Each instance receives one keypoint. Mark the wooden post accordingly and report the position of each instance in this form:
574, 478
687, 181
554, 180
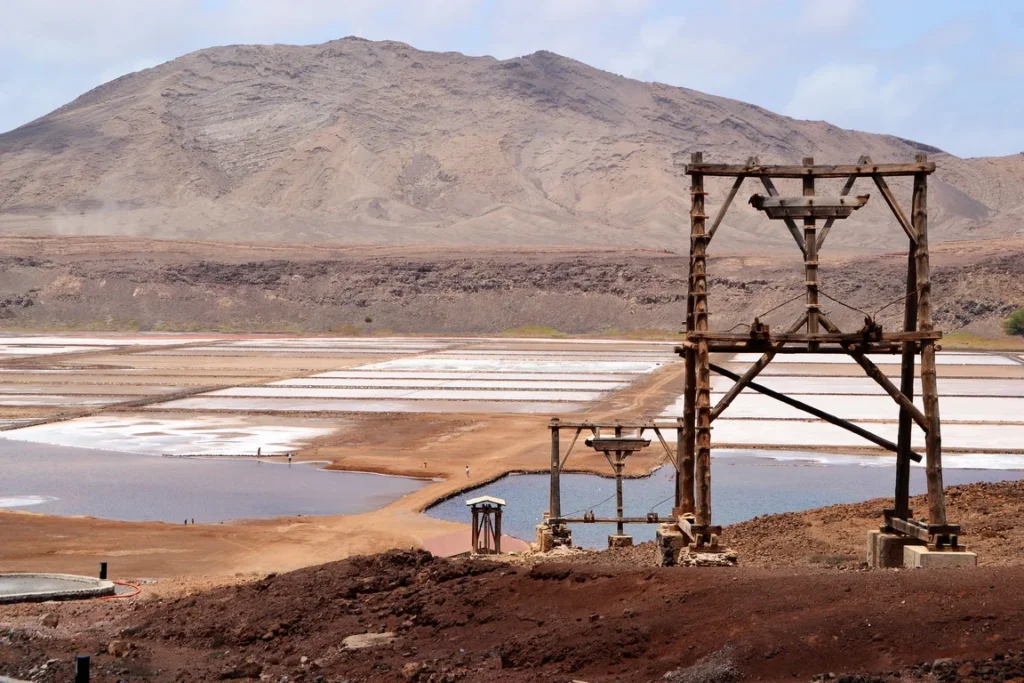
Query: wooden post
689, 403
497, 530
684, 470
619, 511
811, 262
929, 386
555, 497
903, 441
702, 370
475, 536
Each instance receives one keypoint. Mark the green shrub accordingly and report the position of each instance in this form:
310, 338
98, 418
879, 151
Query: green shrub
1015, 323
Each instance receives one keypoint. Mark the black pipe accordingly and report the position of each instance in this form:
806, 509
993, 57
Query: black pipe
103, 571
800, 405
82, 669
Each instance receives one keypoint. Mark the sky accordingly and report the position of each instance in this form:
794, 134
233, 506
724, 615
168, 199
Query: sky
949, 73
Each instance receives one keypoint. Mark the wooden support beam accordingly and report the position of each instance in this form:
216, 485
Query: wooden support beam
929, 387
903, 440
845, 191
793, 230
702, 374
811, 260
555, 489
786, 171
640, 424
808, 207
728, 201
816, 412
894, 206
726, 347
822, 337
752, 373
922, 531
614, 520
876, 374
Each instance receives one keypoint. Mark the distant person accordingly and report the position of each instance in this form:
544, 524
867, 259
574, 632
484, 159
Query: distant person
186, 521
424, 464
467, 471
289, 458
259, 451
193, 521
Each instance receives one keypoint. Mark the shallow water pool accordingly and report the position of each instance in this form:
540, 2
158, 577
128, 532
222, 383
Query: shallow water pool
58, 480
744, 485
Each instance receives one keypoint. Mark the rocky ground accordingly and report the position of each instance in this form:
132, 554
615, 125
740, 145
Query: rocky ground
798, 608
98, 283
406, 616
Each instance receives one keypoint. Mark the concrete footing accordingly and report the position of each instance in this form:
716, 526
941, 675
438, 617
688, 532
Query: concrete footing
548, 537
670, 541
885, 551
889, 551
615, 541
920, 557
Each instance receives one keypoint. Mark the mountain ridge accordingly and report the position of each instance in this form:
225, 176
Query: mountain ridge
356, 141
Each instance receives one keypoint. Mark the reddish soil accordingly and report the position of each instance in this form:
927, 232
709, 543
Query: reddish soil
486, 621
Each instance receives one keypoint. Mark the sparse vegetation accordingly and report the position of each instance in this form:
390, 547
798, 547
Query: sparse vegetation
1015, 323
368, 319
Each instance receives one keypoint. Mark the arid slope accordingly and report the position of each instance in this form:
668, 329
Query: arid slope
366, 142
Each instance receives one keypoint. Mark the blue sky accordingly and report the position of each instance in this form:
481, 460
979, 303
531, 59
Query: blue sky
946, 72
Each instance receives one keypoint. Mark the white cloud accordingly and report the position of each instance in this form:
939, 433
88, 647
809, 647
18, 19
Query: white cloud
830, 15
858, 96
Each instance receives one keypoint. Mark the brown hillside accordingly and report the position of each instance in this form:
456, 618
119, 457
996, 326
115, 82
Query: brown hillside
376, 142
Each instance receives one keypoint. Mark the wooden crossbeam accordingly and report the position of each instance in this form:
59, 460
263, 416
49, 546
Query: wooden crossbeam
894, 206
816, 206
816, 412
558, 424
725, 206
773, 202
823, 337
612, 520
790, 223
794, 171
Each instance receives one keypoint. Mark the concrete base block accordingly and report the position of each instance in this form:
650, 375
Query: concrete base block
670, 541
720, 557
545, 539
920, 557
885, 551
619, 541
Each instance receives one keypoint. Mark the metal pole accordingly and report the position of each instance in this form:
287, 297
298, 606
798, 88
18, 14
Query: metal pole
103, 571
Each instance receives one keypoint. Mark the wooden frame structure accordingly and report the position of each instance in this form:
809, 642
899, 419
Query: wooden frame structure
627, 439
813, 332
485, 538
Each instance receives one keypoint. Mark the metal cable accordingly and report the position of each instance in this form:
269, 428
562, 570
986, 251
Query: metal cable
852, 308
896, 301
771, 310
589, 507
662, 502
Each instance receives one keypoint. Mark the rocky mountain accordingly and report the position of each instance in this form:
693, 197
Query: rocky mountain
358, 142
